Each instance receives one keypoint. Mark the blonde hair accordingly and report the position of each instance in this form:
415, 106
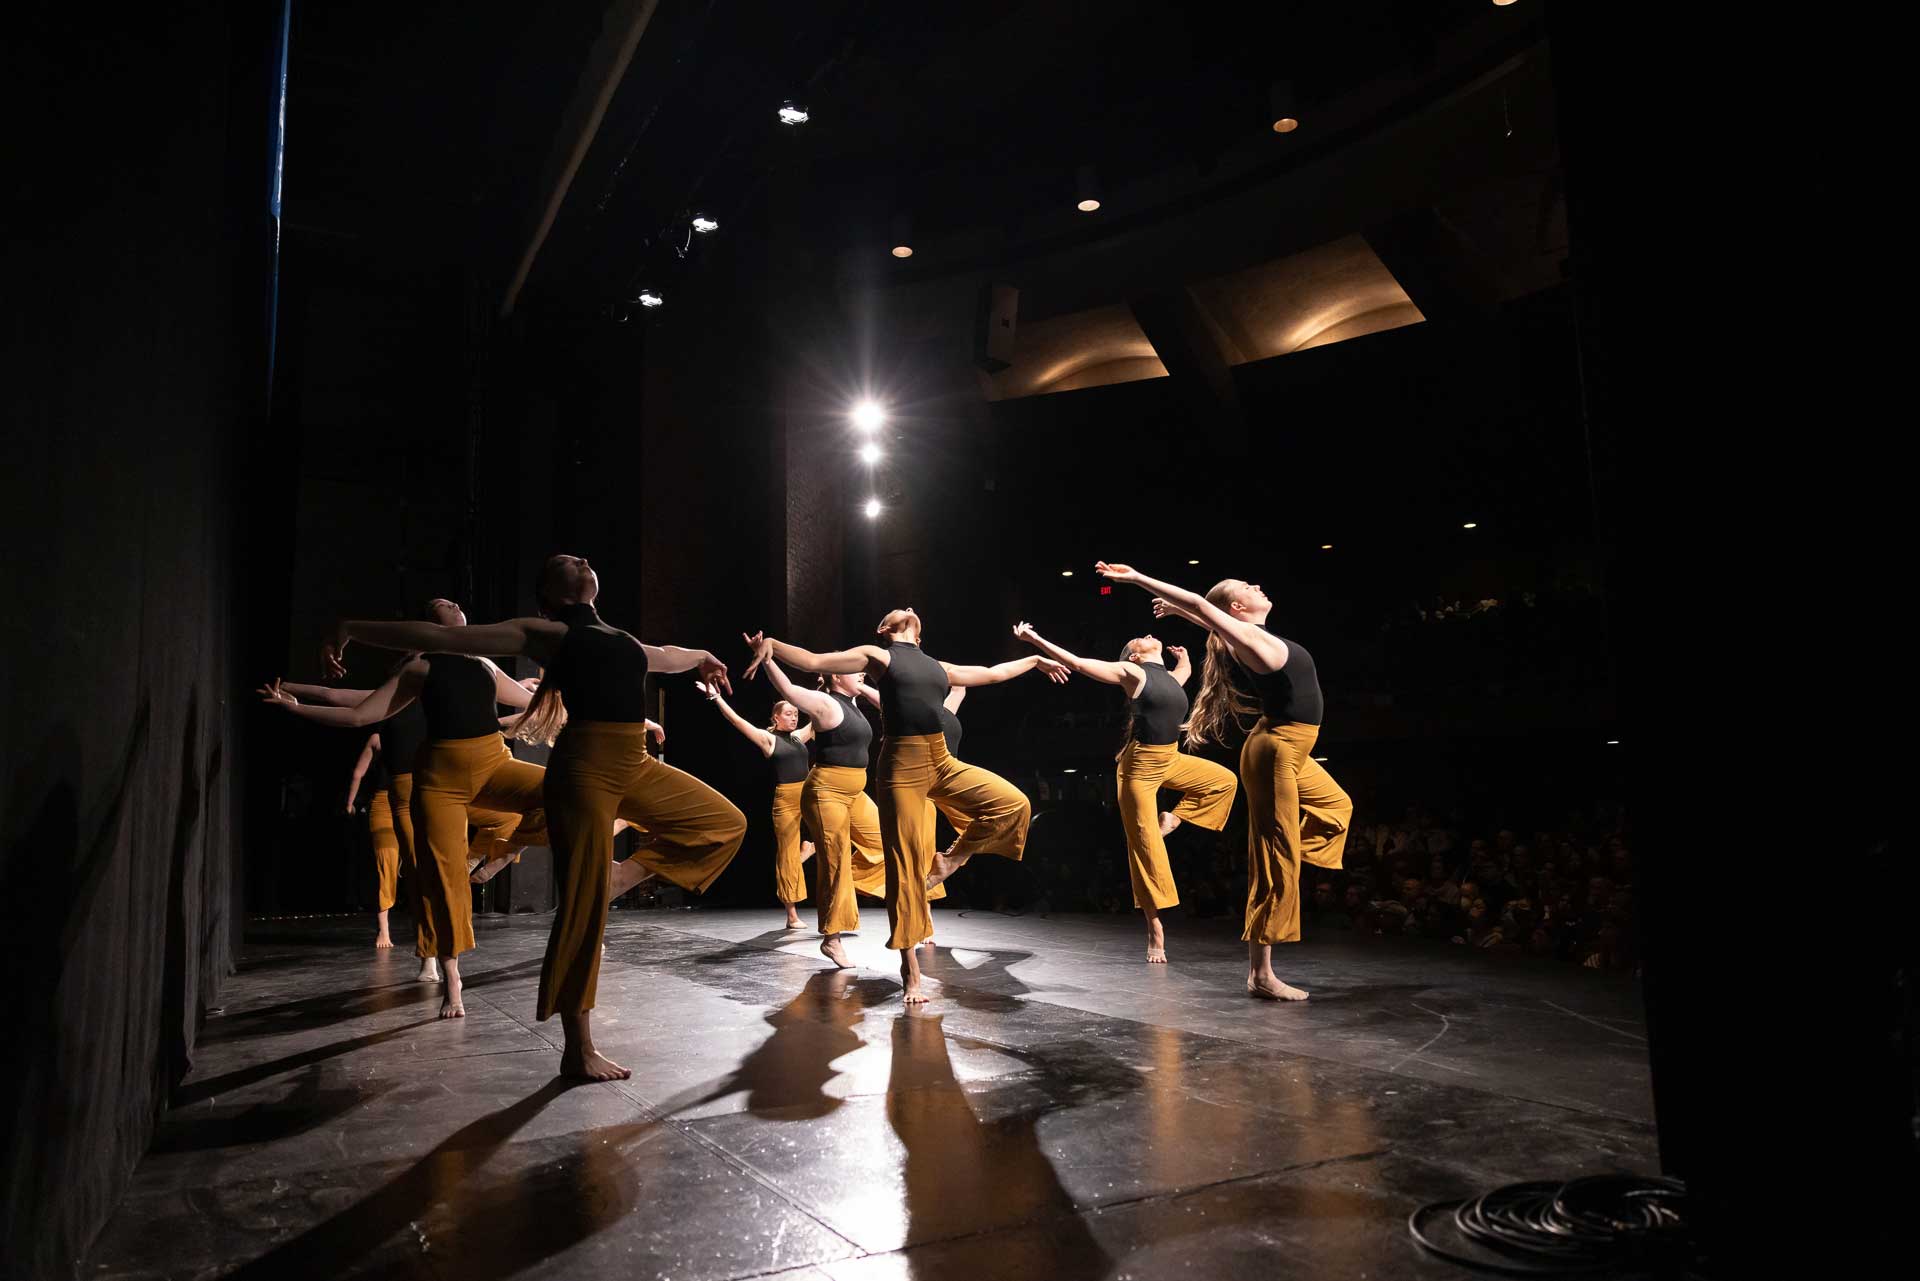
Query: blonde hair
545, 715
774, 714
1220, 709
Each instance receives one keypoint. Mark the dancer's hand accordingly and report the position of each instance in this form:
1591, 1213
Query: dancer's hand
715, 673
806, 850
658, 734
1164, 608
762, 646
529, 683
1179, 653
1056, 672
1025, 632
707, 691
1117, 573
333, 651
272, 693
349, 802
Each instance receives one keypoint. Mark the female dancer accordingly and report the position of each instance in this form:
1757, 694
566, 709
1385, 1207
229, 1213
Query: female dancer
784, 743
1150, 761
600, 769
915, 769
464, 773
386, 843
1295, 810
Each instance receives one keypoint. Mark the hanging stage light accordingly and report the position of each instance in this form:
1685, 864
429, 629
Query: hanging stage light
1281, 108
648, 298
1086, 187
792, 113
704, 224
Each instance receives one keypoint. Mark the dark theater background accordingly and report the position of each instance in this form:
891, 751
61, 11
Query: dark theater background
323, 310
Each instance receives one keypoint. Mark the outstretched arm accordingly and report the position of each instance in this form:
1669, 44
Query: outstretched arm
665, 660
1182, 668
963, 674
325, 694
537, 638
861, 658
1126, 675
823, 711
1255, 646
760, 738
399, 689
360, 768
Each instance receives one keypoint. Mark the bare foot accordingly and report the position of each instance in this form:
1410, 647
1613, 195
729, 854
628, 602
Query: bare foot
945, 865
915, 993
1156, 943
793, 917
450, 1006
489, 869
1269, 988
383, 938
834, 950
429, 971
579, 1059
627, 875
1168, 821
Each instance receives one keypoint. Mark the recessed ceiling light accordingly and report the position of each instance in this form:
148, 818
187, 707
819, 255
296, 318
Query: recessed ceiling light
704, 224
903, 251
792, 113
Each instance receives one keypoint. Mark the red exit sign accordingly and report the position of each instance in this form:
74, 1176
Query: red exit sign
1106, 589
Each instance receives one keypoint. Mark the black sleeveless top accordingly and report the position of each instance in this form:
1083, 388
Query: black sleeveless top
846, 744
789, 759
457, 698
377, 777
1161, 707
402, 735
911, 690
601, 670
950, 730
1293, 692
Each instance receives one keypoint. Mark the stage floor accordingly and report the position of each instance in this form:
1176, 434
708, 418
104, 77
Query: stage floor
1060, 1111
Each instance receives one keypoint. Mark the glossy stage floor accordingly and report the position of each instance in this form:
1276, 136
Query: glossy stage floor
1062, 1110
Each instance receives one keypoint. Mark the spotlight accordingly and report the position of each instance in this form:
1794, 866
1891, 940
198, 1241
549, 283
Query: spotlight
1280, 107
1501, 4
1066, 573
792, 113
1472, 524
873, 509
869, 454
1613, 742
1193, 562
1069, 771
1326, 547
704, 224
868, 416
903, 251
648, 298
902, 235
1086, 184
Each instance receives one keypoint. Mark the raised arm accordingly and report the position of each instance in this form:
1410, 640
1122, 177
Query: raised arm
963, 674
1182, 668
871, 659
1126, 675
326, 694
1253, 645
398, 690
538, 638
360, 767
760, 738
820, 709
956, 695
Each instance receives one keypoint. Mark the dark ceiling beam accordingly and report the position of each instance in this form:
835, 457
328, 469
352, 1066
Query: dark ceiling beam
1192, 349
620, 31
1443, 275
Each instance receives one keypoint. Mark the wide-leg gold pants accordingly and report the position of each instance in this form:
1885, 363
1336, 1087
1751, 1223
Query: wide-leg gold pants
1206, 796
456, 780
601, 771
400, 799
789, 876
1295, 811
916, 774
386, 848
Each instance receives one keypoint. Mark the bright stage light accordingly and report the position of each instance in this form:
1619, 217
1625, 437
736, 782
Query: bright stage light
873, 509
1326, 547
1066, 573
903, 251
868, 416
792, 113
869, 454
648, 298
1088, 205
1472, 524
1193, 562
704, 224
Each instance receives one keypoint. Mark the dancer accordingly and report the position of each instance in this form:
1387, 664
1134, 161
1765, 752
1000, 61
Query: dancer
600, 769
784, 743
1150, 761
1295, 810
915, 769
464, 773
386, 843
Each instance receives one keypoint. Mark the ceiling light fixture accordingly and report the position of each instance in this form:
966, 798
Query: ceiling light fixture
1086, 188
704, 224
648, 298
1282, 111
873, 509
792, 113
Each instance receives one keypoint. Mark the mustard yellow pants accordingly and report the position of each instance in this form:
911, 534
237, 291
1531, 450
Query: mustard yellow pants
789, 876
386, 848
457, 780
1206, 796
1295, 811
400, 800
601, 771
916, 774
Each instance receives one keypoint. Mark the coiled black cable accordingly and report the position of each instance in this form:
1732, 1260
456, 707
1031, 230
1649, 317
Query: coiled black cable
1593, 1224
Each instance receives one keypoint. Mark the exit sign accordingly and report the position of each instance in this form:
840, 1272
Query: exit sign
1106, 589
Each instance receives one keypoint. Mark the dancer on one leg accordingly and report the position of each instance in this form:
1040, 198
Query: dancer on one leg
784, 743
915, 768
600, 770
1152, 761
1295, 810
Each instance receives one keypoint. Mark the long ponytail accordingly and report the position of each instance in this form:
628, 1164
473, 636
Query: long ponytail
1221, 710
545, 715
